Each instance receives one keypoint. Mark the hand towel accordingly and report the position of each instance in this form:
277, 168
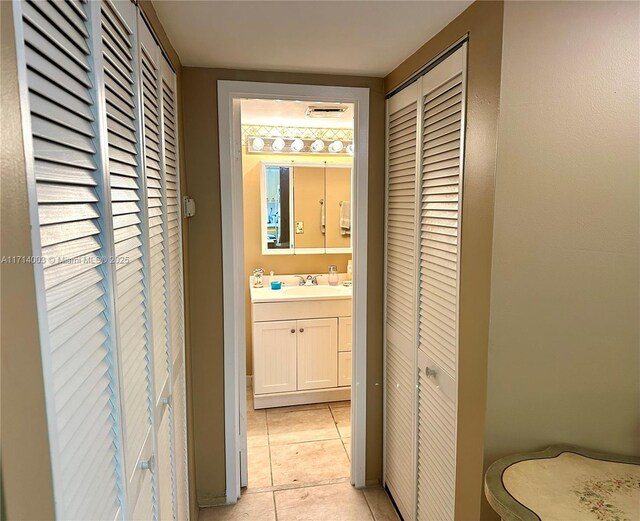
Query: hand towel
345, 217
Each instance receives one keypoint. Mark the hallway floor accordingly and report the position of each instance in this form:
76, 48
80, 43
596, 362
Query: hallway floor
299, 469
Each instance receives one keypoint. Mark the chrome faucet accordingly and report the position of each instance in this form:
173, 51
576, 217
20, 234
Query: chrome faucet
310, 280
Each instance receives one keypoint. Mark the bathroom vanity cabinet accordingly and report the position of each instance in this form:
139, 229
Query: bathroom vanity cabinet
301, 351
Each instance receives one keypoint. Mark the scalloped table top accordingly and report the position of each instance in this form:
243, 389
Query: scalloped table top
565, 483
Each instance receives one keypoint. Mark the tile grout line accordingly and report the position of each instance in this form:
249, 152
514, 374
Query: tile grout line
266, 421
275, 506
340, 434
373, 516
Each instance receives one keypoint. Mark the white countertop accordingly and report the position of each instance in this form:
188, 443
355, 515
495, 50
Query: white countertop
291, 291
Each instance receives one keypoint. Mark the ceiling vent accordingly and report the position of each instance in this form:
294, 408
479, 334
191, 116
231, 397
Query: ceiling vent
325, 111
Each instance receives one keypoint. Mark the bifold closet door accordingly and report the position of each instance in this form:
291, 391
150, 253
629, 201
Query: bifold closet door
175, 292
400, 314
71, 221
100, 129
425, 141
442, 121
122, 129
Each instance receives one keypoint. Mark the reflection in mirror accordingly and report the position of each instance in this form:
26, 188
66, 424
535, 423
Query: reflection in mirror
306, 208
338, 208
278, 208
308, 201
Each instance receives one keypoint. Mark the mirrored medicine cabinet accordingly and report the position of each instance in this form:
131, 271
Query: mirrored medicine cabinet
306, 208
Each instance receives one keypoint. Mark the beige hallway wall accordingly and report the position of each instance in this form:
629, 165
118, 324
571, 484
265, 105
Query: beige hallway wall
564, 360
205, 261
279, 264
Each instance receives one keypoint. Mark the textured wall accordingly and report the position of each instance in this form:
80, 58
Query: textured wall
564, 360
26, 471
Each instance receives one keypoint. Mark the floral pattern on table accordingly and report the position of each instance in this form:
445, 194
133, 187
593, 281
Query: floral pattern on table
598, 496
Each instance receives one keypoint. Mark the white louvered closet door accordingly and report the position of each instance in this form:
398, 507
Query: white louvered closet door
442, 120
71, 232
101, 143
176, 293
119, 57
400, 270
151, 70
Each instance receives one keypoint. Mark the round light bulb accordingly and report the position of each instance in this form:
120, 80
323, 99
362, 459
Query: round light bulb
278, 144
297, 145
317, 145
350, 149
257, 143
336, 146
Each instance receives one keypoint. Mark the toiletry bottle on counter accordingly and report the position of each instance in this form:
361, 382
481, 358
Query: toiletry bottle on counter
349, 270
333, 275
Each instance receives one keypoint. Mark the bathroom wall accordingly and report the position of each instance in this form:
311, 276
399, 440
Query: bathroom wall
279, 264
205, 261
564, 364
482, 21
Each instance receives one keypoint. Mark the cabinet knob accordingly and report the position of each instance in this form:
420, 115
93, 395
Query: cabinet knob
293, 330
301, 330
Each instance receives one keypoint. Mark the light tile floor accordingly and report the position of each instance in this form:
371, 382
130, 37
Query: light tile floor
299, 469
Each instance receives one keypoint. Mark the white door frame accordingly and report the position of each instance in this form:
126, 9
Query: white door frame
229, 93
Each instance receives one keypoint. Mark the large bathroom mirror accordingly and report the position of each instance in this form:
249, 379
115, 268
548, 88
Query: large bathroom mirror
277, 209
306, 208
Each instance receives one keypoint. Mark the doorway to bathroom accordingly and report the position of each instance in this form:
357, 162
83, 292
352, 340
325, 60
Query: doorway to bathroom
294, 213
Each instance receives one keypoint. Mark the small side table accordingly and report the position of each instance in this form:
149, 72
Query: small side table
565, 483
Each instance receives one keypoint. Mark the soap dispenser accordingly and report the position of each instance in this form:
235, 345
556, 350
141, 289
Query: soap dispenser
333, 275
257, 275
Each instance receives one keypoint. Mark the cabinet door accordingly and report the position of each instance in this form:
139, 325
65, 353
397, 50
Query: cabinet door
274, 356
317, 353
345, 333
344, 369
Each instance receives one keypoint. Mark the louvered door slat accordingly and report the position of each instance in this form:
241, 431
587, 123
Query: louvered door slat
173, 212
117, 28
439, 229
83, 419
400, 235
440, 195
156, 222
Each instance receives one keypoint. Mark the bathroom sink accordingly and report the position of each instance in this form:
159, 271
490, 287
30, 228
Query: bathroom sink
292, 292
316, 290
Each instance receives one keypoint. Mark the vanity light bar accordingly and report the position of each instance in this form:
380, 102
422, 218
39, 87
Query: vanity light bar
286, 145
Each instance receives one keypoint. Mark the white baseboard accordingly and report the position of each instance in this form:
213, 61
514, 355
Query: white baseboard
336, 394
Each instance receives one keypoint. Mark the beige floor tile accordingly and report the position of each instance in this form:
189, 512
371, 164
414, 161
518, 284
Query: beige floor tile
300, 426
339, 502
257, 430
309, 462
380, 504
294, 408
347, 446
259, 467
342, 417
337, 405
253, 507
